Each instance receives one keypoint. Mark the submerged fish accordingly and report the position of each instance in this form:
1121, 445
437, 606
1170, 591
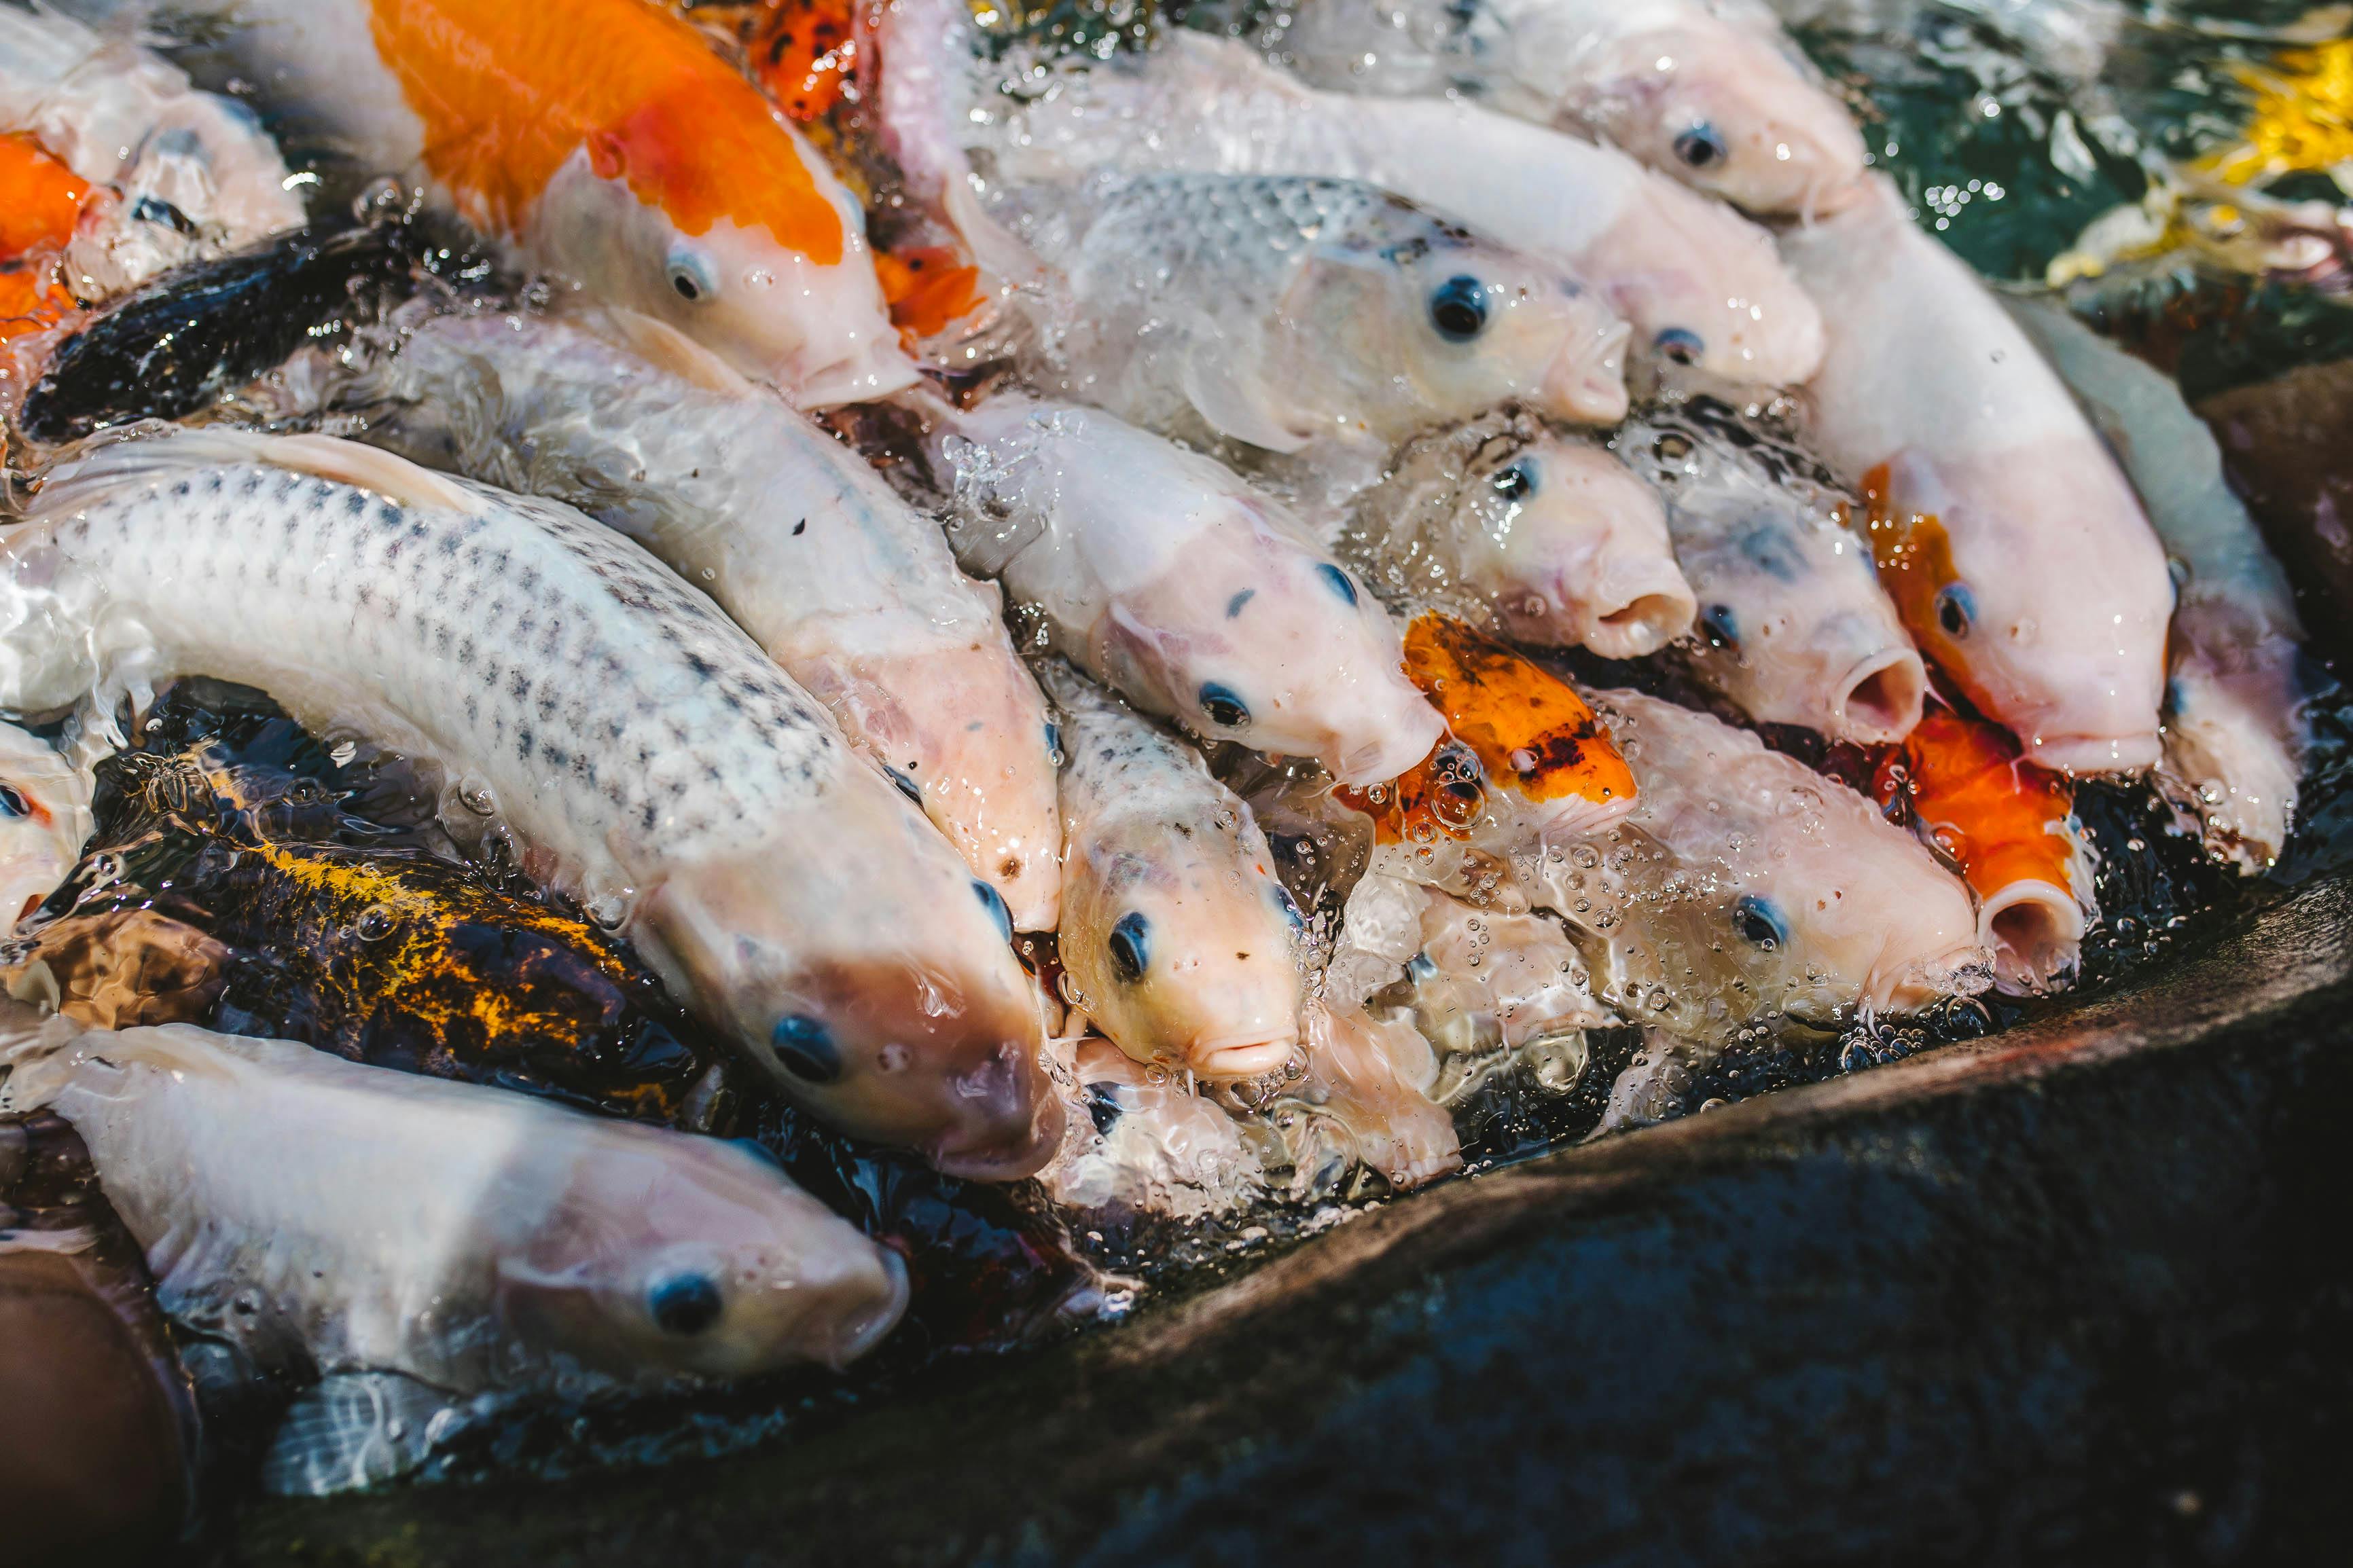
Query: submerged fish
1141, 1140
2017, 553
314, 1211
1162, 575
1274, 310
606, 141
1540, 537
795, 537
2011, 828
44, 822
2235, 732
1709, 91
1699, 283
649, 757
1362, 1100
161, 173
1794, 626
1177, 939
1744, 886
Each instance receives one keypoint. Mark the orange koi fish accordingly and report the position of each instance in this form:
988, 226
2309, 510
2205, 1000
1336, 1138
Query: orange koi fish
2010, 826
40, 201
606, 142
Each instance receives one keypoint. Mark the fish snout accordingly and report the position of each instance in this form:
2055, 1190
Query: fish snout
2081, 754
872, 370
1244, 1055
1634, 604
1586, 383
848, 1310
2035, 932
1385, 746
1879, 701
1004, 1120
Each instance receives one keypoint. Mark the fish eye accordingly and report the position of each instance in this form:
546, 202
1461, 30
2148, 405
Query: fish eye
1723, 624
1957, 609
994, 902
906, 785
684, 1304
1517, 483
1458, 309
691, 277
13, 803
1130, 947
1759, 922
1223, 706
1103, 1107
1337, 581
1054, 741
1680, 345
1701, 147
805, 1047
1290, 908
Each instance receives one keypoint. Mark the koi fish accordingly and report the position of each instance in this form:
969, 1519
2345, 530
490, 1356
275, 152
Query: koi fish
465, 1236
2010, 826
44, 822
645, 753
1176, 937
1708, 91
606, 142
1141, 1141
799, 540
2015, 551
1508, 525
1794, 626
1361, 1100
1162, 575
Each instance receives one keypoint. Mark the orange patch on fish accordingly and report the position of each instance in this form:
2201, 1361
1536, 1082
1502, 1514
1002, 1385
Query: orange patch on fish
1914, 558
40, 198
803, 52
509, 92
927, 288
30, 300
2001, 818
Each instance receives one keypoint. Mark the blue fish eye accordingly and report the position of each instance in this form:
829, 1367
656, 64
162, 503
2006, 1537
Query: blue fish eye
684, 1304
1519, 482
1680, 345
1103, 1107
13, 803
1723, 624
691, 277
1054, 740
1224, 706
1337, 581
1957, 609
805, 1047
1458, 309
1290, 908
1130, 947
1759, 922
1701, 147
907, 787
994, 902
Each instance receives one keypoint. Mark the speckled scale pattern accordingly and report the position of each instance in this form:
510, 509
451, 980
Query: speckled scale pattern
1121, 763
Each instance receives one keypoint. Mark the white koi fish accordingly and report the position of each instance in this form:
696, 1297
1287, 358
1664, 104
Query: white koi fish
44, 822
1141, 1140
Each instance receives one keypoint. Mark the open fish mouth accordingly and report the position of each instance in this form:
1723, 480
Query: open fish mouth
1640, 606
856, 1336
1879, 701
1240, 1056
2036, 931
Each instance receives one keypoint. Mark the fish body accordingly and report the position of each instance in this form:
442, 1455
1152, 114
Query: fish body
44, 821
802, 543
1744, 886
1708, 91
606, 141
1697, 282
168, 174
2010, 826
1141, 1140
1364, 1100
646, 753
310, 1208
1275, 309
1504, 523
1476, 979
1177, 937
2017, 553
1794, 626
2236, 731
1164, 576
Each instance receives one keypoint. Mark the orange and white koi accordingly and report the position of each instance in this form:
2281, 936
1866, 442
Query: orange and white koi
44, 822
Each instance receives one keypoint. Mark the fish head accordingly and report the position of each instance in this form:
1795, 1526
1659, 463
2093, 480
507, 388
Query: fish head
1181, 946
1720, 107
1252, 634
740, 240
44, 821
692, 1257
883, 994
1448, 324
1570, 548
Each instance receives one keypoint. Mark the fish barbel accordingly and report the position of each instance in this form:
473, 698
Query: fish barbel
1699, 283
799, 540
1745, 886
1507, 523
660, 765
1794, 626
1164, 576
2235, 725
604, 141
44, 822
1176, 935
1276, 308
1709, 91
362, 1219
2017, 553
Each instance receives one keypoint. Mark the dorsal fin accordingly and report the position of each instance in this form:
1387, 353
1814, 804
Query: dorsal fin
104, 469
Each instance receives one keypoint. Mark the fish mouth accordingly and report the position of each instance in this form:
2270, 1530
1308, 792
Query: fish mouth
872, 372
1240, 1056
863, 1332
1006, 1156
1379, 761
2078, 756
1587, 384
1880, 698
2036, 931
1642, 606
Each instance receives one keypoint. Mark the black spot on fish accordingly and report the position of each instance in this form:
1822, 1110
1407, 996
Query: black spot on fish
1130, 946
800, 528
805, 1045
1337, 581
684, 1304
1234, 605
